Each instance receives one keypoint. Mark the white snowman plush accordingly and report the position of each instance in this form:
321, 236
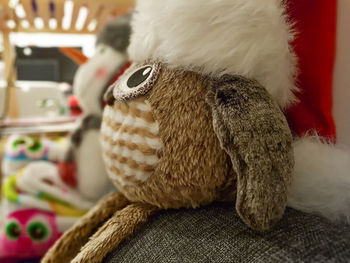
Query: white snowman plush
90, 83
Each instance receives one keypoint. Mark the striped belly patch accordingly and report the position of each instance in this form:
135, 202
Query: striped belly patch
130, 141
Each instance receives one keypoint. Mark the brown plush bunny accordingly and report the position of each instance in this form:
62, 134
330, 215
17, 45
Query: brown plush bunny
177, 133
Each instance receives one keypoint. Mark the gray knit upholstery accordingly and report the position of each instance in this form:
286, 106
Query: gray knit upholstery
216, 234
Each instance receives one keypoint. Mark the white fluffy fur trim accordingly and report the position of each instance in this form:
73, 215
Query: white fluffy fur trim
321, 180
245, 37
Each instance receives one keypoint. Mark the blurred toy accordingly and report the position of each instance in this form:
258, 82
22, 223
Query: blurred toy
39, 186
36, 208
21, 150
90, 83
28, 233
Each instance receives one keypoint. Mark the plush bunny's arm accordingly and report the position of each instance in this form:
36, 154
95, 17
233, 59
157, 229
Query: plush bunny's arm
71, 241
119, 227
254, 132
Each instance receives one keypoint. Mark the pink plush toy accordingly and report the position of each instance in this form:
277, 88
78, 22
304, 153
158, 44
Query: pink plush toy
28, 234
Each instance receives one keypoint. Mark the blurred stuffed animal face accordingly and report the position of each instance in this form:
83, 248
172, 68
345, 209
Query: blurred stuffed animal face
21, 150
158, 142
93, 76
27, 148
28, 233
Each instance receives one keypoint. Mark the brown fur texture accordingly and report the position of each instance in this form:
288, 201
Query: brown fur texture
193, 169
128, 129
120, 226
71, 241
255, 133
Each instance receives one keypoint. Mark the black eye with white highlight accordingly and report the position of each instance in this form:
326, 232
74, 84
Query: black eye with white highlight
135, 82
139, 77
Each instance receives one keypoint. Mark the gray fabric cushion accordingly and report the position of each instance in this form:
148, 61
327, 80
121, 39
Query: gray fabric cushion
216, 234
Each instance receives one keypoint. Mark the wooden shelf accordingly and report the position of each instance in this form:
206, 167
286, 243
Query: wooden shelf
54, 11
55, 16
39, 129
38, 126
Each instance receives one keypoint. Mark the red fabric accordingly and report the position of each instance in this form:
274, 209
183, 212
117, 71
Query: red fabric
67, 172
315, 48
120, 72
74, 107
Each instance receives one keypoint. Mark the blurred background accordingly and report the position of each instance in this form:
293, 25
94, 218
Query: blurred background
35, 76
42, 45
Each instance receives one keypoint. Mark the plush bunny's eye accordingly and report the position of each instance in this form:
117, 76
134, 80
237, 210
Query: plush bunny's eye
135, 82
140, 76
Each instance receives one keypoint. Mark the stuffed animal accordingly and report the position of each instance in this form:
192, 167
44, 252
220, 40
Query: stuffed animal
21, 150
35, 199
197, 118
28, 233
39, 186
90, 83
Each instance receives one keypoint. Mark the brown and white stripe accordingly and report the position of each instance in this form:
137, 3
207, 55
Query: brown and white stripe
130, 141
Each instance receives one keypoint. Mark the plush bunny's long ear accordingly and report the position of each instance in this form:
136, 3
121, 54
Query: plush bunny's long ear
254, 132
